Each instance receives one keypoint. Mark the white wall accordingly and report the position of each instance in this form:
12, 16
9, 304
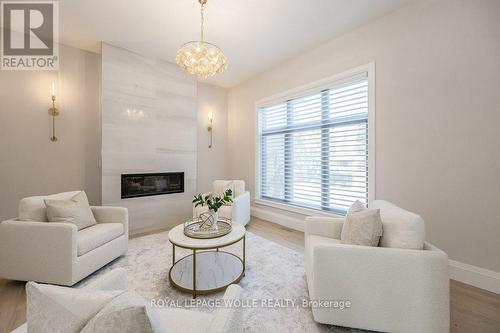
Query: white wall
30, 164
163, 138
437, 116
212, 162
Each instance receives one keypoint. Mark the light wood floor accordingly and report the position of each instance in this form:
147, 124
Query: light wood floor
472, 310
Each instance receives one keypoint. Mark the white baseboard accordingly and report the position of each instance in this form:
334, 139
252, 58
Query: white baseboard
469, 274
475, 276
266, 214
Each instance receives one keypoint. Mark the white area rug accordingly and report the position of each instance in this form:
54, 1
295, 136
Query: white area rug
272, 272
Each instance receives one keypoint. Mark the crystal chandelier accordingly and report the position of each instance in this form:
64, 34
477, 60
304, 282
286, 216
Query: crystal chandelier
199, 57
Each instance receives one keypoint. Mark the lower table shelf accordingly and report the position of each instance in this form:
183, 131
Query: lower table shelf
215, 270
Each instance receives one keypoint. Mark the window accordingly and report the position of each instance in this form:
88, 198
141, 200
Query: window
314, 147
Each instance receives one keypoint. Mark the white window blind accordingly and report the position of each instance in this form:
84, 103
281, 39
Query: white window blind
314, 148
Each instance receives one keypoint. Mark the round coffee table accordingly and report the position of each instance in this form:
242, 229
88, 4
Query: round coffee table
207, 269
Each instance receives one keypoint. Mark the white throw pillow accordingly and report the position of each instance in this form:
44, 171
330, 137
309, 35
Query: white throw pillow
58, 309
362, 228
33, 208
127, 313
356, 206
83, 200
75, 210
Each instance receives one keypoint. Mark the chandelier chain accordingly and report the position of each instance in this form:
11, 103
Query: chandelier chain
202, 21
199, 57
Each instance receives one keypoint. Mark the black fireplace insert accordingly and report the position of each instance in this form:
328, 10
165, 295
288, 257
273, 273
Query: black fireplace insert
146, 184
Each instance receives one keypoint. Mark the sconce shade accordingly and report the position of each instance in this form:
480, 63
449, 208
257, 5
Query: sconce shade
53, 89
210, 128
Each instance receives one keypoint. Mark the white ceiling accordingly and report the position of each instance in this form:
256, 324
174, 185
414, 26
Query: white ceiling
254, 34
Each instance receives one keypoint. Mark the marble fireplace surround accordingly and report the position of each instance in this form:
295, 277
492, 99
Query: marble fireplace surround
149, 124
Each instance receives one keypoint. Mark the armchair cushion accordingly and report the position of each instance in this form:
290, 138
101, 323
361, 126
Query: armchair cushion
402, 229
97, 235
75, 210
324, 226
238, 186
221, 186
33, 208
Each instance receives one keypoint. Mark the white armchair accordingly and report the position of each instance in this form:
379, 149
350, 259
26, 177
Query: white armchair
174, 320
58, 253
389, 289
239, 210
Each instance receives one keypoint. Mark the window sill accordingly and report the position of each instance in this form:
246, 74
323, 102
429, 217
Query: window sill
296, 209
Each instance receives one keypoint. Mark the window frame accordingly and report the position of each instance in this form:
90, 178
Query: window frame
310, 88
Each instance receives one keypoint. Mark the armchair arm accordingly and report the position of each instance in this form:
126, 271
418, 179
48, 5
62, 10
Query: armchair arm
380, 282
109, 214
240, 211
41, 251
229, 317
330, 227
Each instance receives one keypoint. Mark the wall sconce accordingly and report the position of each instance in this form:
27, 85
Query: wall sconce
53, 112
210, 128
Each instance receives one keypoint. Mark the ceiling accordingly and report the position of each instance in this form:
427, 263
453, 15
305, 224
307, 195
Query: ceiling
254, 34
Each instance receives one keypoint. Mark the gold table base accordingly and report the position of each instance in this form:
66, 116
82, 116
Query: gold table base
194, 291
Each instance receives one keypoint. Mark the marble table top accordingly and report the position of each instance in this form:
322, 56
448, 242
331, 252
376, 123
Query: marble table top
176, 236
213, 270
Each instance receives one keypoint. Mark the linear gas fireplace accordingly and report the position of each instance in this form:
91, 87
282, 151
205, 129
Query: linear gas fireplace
146, 184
